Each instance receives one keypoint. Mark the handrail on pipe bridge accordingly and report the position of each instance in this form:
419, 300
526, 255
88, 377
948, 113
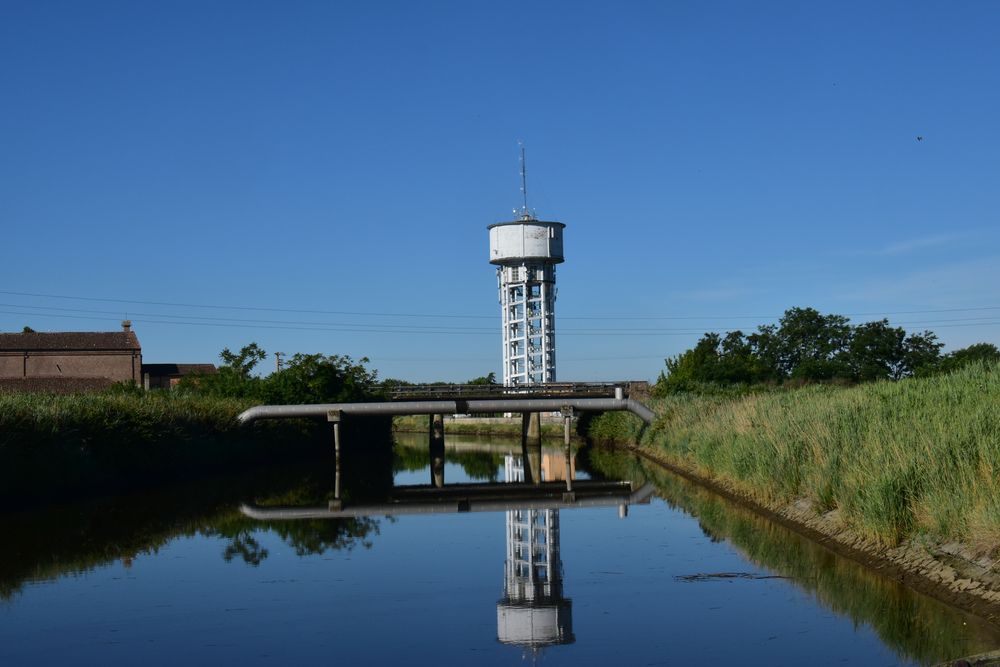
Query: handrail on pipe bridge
620, 389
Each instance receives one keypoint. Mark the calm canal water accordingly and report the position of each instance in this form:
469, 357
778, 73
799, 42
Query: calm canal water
682, 578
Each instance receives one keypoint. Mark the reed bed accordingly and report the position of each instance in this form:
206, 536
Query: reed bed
144, 414
419, 424
894, 459
54, 447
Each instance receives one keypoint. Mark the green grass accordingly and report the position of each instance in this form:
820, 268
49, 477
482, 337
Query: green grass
919, 456
419, 424
142, 414
54, 447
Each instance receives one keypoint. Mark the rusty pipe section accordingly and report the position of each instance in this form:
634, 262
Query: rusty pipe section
454, 407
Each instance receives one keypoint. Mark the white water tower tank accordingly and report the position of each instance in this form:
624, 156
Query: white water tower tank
526, 240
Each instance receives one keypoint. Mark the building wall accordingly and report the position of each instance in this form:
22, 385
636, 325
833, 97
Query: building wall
12, 365
163, 381
117, 366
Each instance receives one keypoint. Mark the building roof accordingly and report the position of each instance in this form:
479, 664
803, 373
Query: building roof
67, 341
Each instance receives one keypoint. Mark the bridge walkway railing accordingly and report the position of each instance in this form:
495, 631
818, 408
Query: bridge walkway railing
487, 391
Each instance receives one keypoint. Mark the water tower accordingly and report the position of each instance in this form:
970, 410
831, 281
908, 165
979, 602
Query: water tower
533, 612
526, 252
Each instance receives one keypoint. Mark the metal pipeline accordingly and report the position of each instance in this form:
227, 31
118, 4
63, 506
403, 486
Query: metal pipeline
449, 407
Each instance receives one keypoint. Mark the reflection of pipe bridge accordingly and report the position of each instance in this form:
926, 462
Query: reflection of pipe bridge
533, 612
486, 497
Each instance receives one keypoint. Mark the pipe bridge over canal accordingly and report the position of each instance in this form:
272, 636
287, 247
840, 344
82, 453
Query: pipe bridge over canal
565, 398
473, 399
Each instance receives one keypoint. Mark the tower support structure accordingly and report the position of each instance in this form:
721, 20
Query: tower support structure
526, 252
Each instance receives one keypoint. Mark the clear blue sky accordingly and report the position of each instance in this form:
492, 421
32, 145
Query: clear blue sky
714, 162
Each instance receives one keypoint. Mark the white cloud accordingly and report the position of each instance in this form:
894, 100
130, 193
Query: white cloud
972, 283
718, 294
911, 245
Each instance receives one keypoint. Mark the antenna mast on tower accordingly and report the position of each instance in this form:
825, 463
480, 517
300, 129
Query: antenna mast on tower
525, 252
525, 213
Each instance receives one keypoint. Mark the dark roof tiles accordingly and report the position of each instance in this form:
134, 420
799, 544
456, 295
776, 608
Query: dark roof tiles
69, 341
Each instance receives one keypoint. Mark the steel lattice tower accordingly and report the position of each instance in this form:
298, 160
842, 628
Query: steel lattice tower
526, 252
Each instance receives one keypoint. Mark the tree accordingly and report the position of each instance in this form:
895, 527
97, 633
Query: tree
807, 345
713, 360
812, 346
980, 352
234, 378
318, 378
765, 346
689, 368
877, 351
923, 353
243, 362
488, 379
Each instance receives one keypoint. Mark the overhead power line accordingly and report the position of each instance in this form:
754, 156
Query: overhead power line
418, 330
470, 316
405, 328
173, 304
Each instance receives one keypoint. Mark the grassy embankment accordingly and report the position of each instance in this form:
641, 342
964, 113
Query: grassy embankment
897, 460
56, 447
472, 426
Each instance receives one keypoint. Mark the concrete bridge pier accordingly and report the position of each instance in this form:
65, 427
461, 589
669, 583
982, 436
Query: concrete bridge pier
531, 427
567, 415
436, 449
531, 446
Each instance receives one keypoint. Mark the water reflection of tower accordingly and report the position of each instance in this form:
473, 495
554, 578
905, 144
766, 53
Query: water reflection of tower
533, 612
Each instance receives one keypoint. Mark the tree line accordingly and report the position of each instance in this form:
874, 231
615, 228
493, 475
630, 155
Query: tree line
808, 346
304, 378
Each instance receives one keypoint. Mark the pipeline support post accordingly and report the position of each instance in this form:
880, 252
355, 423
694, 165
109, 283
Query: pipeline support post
531, 428
436, 449
567, 415
531, 447
334, 416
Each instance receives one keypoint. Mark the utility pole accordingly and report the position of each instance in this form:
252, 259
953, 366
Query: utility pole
277, 361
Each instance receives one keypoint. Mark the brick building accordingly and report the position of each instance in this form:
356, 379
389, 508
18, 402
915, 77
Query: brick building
168, 376
70, 360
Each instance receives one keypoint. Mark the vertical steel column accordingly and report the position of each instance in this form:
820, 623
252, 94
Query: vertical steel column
333, 416
531, 446
567, 415
548, 372
505, 331
436, 450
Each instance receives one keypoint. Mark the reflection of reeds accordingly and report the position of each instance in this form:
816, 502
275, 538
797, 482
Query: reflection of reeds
896, 458
915, 626
52, 543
